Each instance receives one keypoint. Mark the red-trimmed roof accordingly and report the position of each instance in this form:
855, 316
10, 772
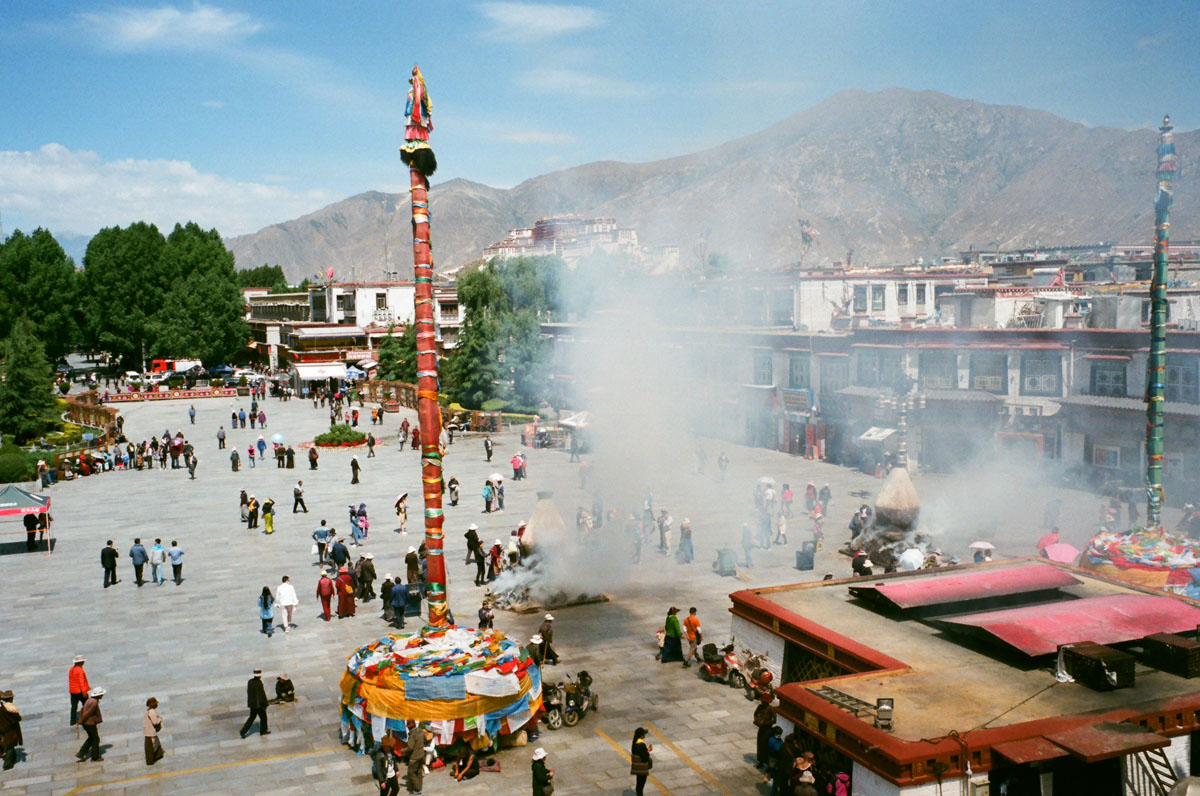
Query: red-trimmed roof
971, 585
1042, 629
1107, 739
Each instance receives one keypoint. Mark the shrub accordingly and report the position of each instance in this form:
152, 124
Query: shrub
340, 435
15, 465
64, 387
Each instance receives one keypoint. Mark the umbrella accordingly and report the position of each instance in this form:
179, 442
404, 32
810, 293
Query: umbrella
354, 373
911, 559
402, 497
1061, 552
1046, 541
767, 480
496, 477
981, 546
277, 438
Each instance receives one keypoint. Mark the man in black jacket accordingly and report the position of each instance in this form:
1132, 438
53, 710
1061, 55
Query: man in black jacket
108, 560
256, 700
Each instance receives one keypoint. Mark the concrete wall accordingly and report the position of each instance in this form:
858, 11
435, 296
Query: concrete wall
868, 783
753, 637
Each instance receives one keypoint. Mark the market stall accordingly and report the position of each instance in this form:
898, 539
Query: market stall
469, 684
17, 503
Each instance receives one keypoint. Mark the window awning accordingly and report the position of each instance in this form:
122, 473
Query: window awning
322, 370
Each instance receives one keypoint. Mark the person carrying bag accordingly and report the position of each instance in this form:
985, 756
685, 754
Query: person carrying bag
151, 724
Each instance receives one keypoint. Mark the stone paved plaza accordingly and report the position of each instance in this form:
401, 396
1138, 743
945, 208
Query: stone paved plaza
193, 646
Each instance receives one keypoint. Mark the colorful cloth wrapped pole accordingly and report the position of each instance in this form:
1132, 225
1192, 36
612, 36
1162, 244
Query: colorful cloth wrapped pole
465, 682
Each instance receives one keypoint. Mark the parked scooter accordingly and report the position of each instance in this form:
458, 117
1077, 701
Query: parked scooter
759, 680
721, 665
552, 701
578, 698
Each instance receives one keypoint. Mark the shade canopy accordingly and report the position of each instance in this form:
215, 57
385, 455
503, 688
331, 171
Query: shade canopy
320, 371
15, 501
577, 420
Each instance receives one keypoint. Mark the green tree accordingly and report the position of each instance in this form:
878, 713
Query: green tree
26, 402
203, 314
398, 355
268, 276
123, 285
37, 280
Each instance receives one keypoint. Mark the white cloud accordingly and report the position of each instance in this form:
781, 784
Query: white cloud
78, 192
152, 28
577, 83
525, 22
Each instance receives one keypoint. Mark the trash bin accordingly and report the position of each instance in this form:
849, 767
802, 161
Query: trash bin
806, 556
726, 561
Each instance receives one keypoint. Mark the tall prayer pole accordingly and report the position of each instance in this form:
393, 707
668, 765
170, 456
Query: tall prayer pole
418, 156
1156, 365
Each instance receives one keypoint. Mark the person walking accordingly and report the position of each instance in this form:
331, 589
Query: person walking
488, 495
10, 729
252, 512
285, 597
158, 557
764, 720
345, 593
151, 724
256, 700
108, 560
546, 631
366, 578
640, 760
242, 417
176, 556
399, 602
90, 719
262, 418
266, 611
321, 537
192, 414
338, 553
487, 447
262, 448
387, 765
412, 565
192, 462
486, 616
385, 596
543, 776
298, 498
290, 458
250, 455
221, 438
235, 460
419, 736
139, 557
268, 513
370, 445
312, 458
402, 512
354, 468
691, 628
684, 553
672, 649
325, 590
77, 684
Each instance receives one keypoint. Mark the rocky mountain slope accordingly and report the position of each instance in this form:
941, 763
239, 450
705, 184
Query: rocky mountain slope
893, 175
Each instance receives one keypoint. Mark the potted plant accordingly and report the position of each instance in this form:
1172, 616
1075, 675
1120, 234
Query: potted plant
243, 387
390, 404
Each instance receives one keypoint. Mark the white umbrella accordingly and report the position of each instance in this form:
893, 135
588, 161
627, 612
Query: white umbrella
767, 480
911, 559
981, 546
496, 477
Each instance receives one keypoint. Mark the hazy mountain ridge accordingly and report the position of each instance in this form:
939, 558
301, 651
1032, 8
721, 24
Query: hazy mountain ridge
893, 174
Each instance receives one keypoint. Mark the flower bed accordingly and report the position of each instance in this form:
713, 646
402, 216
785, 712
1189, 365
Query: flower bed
340, 436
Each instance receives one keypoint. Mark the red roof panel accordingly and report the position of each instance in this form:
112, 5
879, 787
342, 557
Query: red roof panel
1041, 629
1030, 750
1107, 739
975, 584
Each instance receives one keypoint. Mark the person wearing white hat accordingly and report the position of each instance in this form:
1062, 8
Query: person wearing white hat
366, 577
543, 777
412, 562
534, 648
77, 682
89, 718
546, 631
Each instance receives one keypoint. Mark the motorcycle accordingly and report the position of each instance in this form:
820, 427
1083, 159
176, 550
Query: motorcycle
552, 699
758, 679
578, 698
721, 665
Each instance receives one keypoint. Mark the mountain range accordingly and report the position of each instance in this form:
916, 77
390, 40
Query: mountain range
892, 175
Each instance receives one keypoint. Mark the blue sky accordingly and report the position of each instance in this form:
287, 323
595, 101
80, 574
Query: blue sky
242, 114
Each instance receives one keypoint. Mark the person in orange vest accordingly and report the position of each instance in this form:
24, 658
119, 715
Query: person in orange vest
691, 628
78, 683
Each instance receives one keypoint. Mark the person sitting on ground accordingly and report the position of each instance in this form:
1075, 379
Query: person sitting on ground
466, 767
284, 690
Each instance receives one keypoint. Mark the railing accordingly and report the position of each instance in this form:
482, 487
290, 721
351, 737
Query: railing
1148, 774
